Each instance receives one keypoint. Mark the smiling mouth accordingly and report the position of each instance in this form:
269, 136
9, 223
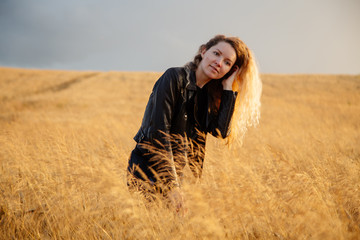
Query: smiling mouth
214, 69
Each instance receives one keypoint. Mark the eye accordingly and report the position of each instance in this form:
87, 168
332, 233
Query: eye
216, 53
228, 63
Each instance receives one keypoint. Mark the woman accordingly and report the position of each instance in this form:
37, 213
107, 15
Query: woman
218, 93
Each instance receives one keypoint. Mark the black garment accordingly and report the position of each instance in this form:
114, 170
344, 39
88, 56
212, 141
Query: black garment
197, 108
176, 120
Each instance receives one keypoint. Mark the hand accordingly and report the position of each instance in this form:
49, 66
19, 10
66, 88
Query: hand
227, 83
177, 200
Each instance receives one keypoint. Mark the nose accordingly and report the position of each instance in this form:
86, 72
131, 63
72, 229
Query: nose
218, 62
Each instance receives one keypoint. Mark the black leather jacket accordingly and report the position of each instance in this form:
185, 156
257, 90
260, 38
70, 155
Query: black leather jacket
167, 124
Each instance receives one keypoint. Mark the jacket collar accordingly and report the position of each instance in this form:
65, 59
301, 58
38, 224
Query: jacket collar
190, 78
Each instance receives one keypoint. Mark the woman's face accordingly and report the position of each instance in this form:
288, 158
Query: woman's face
217, 60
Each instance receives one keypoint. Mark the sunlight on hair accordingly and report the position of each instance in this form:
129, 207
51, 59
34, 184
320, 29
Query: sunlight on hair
247, 107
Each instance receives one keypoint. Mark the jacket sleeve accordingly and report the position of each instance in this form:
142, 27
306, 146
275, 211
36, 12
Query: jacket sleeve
220, 121
163, 99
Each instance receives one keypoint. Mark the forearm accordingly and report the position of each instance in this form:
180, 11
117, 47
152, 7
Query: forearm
220, 123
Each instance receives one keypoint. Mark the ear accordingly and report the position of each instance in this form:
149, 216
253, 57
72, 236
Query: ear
203, 51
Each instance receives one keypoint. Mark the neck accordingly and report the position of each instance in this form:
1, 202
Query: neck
201, 78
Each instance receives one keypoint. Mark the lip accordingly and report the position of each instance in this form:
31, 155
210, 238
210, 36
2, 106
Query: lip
214, 69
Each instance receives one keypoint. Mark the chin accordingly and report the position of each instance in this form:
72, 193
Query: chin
213, 75
216, 77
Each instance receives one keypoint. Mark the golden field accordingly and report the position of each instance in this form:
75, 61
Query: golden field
65, 139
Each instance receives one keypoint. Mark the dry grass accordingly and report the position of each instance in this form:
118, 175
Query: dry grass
65, 138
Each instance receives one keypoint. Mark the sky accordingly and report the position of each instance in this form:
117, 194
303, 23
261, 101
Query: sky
286, 36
